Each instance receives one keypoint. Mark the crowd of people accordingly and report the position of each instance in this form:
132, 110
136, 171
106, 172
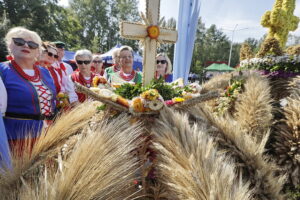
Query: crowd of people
35, 84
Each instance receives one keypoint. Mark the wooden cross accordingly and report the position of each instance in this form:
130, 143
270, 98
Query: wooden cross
150, 34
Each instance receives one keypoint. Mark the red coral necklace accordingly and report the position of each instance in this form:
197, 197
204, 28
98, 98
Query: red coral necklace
35, 78
84, 81
127, 78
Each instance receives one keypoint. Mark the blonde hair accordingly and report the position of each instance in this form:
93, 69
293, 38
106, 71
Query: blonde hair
95, 56
21, 32
169, 64
48, 45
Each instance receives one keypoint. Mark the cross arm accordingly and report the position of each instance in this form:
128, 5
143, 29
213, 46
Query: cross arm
133, 31
168, 35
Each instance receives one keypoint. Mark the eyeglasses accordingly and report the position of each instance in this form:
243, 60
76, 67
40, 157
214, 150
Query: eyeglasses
80, 62
161, 61
97, 61
22, 42
126, 57
52, 55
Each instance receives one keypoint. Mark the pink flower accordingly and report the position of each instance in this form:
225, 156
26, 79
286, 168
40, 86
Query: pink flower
169, 102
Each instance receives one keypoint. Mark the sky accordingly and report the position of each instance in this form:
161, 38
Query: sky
226, 14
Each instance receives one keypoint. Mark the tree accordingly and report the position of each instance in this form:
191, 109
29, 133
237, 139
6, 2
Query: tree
197, 63
49, 20
168, 47
4, 25
216, 45
253, 44
100, 22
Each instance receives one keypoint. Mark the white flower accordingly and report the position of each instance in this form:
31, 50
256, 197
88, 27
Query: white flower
156, 105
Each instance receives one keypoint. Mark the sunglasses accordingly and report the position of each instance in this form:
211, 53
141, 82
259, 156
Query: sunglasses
22, 42
52, 55
60, 46
161, 61
97, 61
80, 62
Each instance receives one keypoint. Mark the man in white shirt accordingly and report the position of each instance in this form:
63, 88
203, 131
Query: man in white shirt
60, 64
68, 85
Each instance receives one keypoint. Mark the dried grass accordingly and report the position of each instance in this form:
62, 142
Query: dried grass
253, 107
102, 166
248, 155
285, 141
189, 163
218, 82
45, 148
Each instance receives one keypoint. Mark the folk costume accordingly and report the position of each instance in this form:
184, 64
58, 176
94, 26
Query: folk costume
121, 77
94, 70
109, 71
85, 81
64, 70
30, 99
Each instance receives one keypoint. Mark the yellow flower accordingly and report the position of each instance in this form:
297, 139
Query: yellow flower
61, 95
178, 99
151, 94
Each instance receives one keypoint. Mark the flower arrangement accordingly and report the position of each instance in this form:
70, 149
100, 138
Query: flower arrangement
63, 100
286, 65
150, 98
231, 93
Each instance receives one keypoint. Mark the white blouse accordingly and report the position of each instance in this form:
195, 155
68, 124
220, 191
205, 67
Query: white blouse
3, 97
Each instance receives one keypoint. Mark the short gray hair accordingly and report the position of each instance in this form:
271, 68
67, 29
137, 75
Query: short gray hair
83, 52
125, 48
21, 32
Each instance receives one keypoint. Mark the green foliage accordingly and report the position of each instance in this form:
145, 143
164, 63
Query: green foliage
294, 194
167, 91
101, 108
85, 24
100, 20
129, 91
212, 45
254, 44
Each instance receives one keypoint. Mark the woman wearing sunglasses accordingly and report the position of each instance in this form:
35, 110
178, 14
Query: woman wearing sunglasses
163, 67
84, 76
97, 65
30, 88
48, 57
64, 86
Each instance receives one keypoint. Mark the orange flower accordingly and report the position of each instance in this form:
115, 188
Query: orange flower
153, 32
137, 105
98, 80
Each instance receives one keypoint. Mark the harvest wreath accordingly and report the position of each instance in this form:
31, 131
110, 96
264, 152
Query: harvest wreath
138, 99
